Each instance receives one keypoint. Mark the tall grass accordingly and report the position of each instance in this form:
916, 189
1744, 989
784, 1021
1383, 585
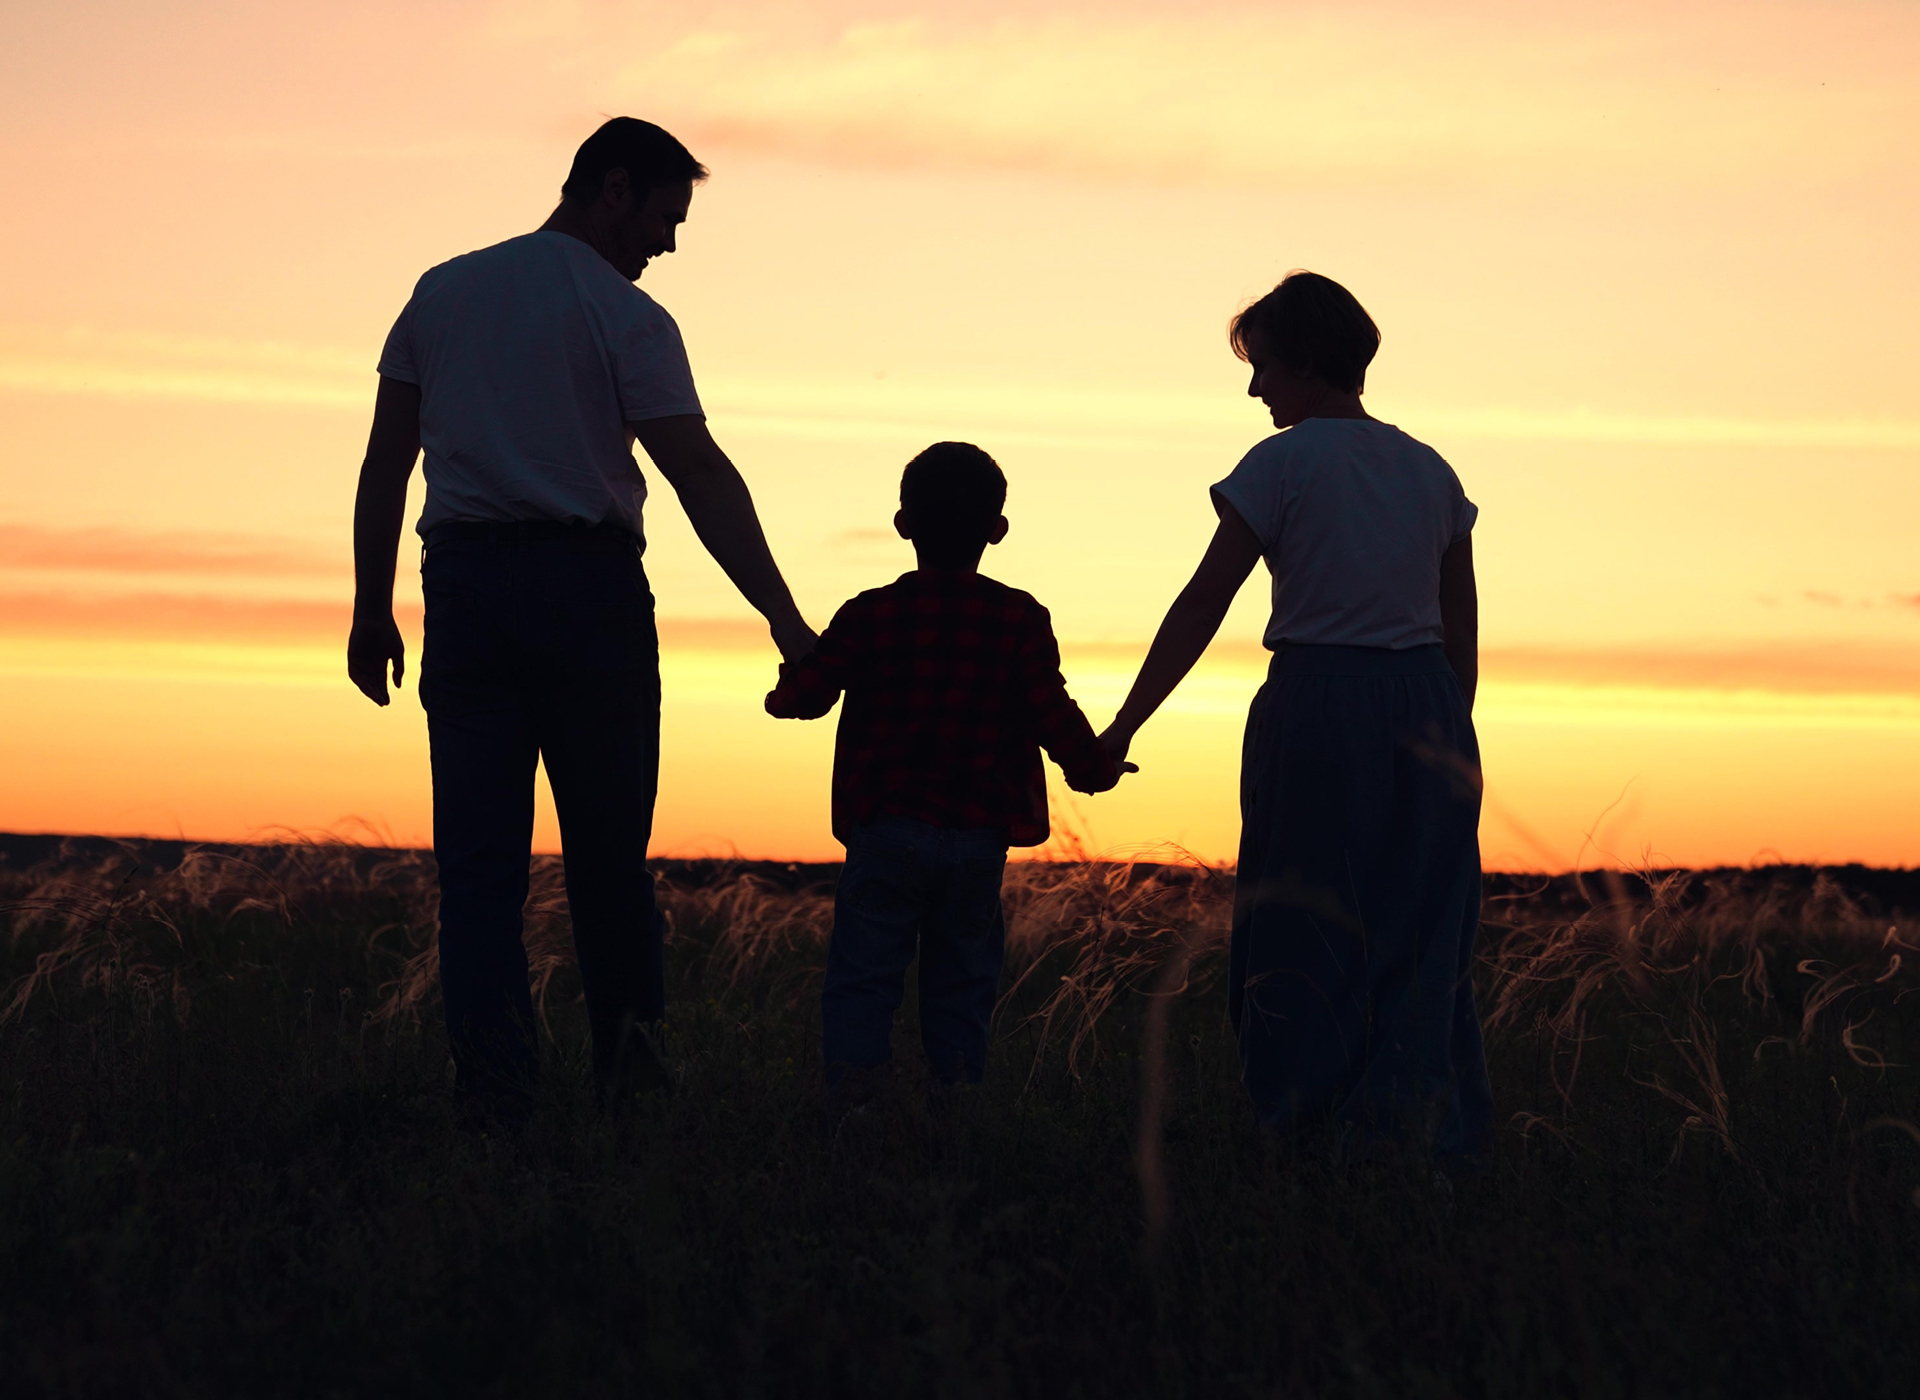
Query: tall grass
227, 1163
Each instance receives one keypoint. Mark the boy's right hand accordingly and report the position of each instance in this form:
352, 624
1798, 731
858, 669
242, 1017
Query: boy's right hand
1120, 770
1120, 765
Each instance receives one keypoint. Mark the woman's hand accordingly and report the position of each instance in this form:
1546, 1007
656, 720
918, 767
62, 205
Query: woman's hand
1116, 741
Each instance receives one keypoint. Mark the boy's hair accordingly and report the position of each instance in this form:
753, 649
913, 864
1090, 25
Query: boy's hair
953, 492
1310, 324
649, 154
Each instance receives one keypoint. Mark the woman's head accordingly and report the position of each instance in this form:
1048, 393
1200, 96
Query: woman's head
1311, 327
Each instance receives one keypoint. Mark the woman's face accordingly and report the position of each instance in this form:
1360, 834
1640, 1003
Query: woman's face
1289, 397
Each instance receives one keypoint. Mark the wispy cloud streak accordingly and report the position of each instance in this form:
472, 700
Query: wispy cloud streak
157, 367
1339, 93
105, 549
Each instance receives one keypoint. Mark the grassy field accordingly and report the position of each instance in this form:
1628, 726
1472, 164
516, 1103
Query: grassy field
228, 1164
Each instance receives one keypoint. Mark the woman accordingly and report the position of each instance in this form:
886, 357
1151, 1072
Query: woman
1358, 889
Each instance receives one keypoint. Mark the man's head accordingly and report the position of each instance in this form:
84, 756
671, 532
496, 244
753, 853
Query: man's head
628, 191
1309, 328
951, 497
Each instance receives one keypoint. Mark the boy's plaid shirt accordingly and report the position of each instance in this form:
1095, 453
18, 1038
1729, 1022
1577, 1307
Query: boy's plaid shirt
953, 686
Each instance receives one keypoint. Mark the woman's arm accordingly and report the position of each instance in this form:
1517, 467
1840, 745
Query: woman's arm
1460, 615
1189, 625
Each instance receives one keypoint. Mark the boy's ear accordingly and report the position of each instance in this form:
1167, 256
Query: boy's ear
999, 530
903, 523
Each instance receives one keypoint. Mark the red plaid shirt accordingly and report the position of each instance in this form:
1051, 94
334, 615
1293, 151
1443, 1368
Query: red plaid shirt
953, 687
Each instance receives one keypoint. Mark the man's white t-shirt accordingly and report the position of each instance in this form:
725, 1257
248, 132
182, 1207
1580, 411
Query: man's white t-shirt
532, 356
1352, 516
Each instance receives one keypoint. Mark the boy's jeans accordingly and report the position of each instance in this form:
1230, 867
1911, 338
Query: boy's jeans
907, 883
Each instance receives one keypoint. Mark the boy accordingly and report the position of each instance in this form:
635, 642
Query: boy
953, 686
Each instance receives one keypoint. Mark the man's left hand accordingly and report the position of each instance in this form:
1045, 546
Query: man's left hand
373, 643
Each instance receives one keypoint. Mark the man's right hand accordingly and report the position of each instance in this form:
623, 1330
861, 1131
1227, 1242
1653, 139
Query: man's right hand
373, 643
794, 638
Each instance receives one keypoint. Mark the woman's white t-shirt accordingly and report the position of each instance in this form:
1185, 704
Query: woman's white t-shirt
532, 356
1352, 516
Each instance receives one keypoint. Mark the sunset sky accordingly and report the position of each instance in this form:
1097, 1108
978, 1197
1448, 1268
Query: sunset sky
1646, 276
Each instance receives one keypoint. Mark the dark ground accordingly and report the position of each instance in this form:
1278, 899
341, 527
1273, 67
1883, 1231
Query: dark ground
228, 1165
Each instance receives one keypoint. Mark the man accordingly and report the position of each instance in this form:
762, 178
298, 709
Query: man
526, 371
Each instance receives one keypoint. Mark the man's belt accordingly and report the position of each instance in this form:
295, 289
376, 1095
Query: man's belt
606, 533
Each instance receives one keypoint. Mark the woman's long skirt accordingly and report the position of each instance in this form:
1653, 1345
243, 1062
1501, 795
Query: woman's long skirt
1357, 901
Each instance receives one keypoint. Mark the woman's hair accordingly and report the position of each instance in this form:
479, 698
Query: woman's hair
1310, 324
952, 493
649, 154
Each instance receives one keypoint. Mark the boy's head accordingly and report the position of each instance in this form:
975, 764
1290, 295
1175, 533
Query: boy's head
951, 497
1311, 326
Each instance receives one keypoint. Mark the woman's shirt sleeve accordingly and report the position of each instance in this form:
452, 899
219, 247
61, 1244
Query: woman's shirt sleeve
1256, 491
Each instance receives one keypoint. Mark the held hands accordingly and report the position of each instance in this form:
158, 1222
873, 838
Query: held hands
1116, 741
373, 643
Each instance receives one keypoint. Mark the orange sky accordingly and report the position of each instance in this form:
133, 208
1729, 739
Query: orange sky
1644, 272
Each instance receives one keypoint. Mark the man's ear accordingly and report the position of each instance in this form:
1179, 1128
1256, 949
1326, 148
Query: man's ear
903, 523
616, 190
999, 530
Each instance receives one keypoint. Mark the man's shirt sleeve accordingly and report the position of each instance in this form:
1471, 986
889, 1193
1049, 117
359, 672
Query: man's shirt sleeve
1062, 729
809, 687
650, 364
396, 356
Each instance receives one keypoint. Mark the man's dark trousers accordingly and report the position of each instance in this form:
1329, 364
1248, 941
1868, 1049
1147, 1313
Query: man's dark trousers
540, 645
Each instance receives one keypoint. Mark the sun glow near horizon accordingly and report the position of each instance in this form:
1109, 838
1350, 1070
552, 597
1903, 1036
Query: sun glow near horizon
1643, 271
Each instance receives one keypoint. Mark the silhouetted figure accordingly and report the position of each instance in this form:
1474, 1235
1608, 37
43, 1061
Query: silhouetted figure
1358, 891
526, 371
953, 687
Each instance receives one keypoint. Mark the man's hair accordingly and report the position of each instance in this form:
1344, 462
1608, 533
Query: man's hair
650, 156
1310, 324
952, 493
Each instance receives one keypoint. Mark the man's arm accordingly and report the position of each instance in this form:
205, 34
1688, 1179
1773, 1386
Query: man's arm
1460, 615
379, 508
811, 686
1189, 625
720, 507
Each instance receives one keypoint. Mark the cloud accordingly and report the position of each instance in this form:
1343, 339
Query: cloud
1785, 667
158, 616
862, 538
174, 617
123, 364
1318, 93
84, 361
106, 549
